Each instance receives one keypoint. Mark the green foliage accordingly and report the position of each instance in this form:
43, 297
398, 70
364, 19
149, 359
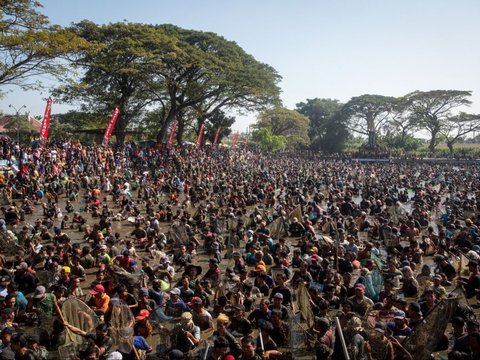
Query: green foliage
398, 141
19, 125
264, 138
183, 72
287, 123
366, 113
327, 130
60, 131
431, 109
30, 46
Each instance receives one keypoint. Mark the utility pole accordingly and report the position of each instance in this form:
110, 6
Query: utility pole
17, 111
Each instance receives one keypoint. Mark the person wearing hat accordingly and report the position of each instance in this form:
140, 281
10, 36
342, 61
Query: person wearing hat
398, 327
25, 279
100, 300
282, 288
175, 306
201, 317
41, 302
193, 272
142, 326
360, 303
185, 335
103, 258
277, 304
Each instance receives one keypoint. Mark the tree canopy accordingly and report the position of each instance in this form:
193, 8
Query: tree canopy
288, 123
327, 130
188, 74
431, 109
30, 46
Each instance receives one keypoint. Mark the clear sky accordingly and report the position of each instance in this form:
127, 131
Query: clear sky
322, 48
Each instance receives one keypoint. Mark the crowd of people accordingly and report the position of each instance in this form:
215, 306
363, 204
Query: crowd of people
234, 253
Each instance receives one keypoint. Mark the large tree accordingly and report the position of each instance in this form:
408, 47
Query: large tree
117, 72
285, 122
30, 46
209, 74
366, 114
142, 66
431, 109
327, 131
457, 126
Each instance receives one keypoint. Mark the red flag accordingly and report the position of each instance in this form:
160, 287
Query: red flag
111, 125
216, 136
236, 138
46, 119
172, 133
200, 135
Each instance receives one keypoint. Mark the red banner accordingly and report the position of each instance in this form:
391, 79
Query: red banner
216, 136
172, 133
236, 138
111, 125
200, 135
46, 119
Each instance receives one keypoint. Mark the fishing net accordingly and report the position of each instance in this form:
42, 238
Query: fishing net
303, 303
278, 228
122, 322
297, 213
80, 315
179, 234
428, 333
121, 276
67, 351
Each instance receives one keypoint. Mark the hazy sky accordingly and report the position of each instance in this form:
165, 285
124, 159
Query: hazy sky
322, 48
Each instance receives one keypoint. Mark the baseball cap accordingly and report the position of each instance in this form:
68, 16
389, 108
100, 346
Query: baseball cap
278, 296
39, 292
143, 314
97, 289
143, 292
175, 291
399, 314
195, 301
380, 327
22, 266
240, 307
360, 286
260, 267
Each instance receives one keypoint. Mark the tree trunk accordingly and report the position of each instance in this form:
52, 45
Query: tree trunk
450, 147
433, 142
180, 128
162, 133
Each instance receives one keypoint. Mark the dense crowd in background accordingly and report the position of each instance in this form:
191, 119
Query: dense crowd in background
354, 237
